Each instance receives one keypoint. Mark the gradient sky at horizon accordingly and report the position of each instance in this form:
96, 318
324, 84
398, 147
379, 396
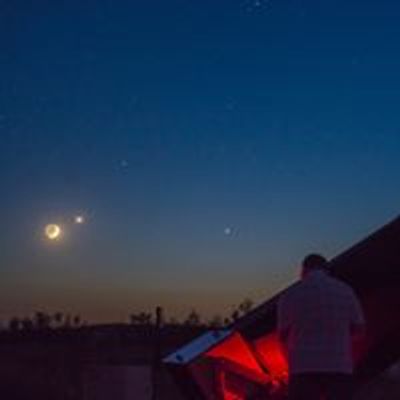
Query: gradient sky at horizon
208, 144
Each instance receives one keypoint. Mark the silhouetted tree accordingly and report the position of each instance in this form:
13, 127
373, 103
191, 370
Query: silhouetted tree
235, 315
42, 320
245, 306
242, 309
159, 317
145, 318
67, 321
77, 321
173, 321
27, 324
14, 324
193, 319
216, 322
142, 318
58, 318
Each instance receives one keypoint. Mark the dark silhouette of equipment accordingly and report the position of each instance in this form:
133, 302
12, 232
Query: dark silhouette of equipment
244, 360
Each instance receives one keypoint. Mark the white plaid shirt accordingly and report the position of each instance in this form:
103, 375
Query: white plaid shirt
315, 317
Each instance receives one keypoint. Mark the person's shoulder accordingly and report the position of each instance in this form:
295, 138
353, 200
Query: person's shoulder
291, 291
342, 286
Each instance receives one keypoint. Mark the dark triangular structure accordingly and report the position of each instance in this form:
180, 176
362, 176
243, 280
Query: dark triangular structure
243, 361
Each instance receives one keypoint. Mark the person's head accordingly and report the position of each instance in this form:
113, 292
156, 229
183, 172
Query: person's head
313, 262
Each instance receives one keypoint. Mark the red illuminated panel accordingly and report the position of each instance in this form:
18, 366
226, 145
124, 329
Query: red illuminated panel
203, 371
236, 351
236, 370
219, 379
233, 386
270, 353
229, 371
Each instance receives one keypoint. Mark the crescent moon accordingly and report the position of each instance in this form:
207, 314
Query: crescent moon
53, 231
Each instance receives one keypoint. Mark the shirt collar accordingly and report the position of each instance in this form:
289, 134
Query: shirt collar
316, 274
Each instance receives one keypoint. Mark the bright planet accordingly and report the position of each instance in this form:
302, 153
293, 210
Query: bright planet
79, 219
53, 231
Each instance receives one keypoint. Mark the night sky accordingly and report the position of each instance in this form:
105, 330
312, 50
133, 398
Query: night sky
208, 144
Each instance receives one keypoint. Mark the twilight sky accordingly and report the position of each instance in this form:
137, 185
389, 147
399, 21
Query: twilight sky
209, 144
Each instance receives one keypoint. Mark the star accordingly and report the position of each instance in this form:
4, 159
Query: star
228, 231
230, 105
254, 5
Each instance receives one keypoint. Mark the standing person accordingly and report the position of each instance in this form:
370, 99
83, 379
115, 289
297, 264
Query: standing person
316, 320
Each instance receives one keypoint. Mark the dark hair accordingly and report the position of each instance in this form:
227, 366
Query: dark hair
314, 261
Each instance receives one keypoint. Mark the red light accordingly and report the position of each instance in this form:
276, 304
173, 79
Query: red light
236, 369
237, 351
271, 355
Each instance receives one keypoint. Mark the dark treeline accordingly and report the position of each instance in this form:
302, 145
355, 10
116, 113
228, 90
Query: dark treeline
41, 320
44, 321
